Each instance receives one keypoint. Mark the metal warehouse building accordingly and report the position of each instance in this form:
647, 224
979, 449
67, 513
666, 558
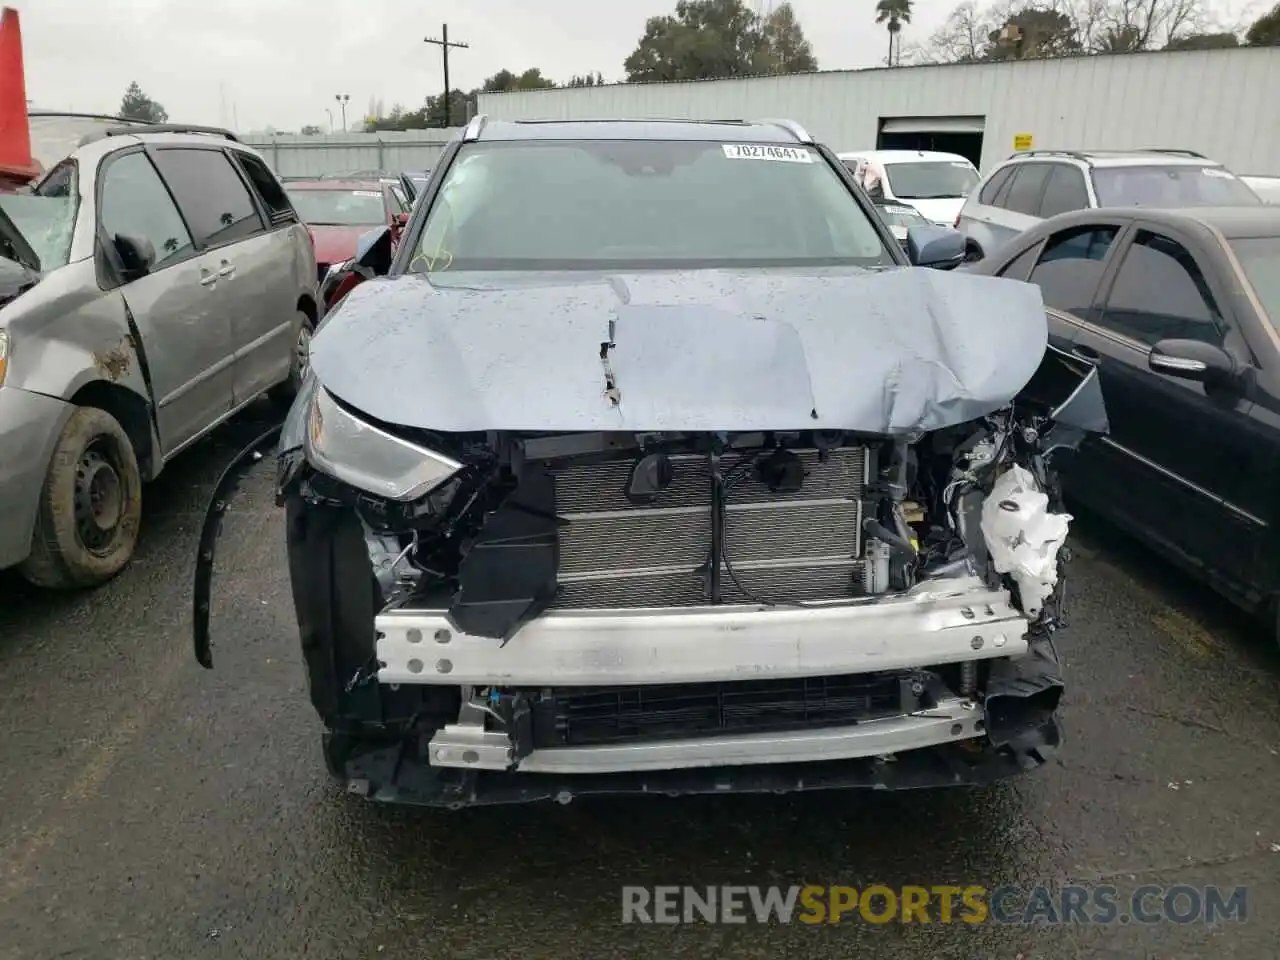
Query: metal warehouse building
1221, 103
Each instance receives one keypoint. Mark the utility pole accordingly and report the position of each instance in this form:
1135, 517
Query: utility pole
444, 44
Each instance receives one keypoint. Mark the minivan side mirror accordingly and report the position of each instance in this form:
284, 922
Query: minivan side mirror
939, 247
137, 255
1193, 360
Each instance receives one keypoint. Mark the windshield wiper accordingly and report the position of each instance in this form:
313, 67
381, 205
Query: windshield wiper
930, 196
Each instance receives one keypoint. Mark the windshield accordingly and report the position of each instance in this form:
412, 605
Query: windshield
340, 208
46, 217
1174, 185
899, 215
1260, 258
589, 205
931, 180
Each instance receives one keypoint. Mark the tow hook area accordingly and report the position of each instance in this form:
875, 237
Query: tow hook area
223, 492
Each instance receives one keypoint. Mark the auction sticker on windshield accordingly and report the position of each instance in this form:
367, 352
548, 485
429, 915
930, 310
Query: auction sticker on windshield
752, 151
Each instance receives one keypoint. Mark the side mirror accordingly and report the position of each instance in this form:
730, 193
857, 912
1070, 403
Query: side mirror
1192, 360
373, 250
939, 247
137, 255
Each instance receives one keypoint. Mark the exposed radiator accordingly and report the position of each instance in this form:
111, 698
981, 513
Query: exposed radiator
780, 546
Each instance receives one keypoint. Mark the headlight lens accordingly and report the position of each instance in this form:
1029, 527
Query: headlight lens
371, 459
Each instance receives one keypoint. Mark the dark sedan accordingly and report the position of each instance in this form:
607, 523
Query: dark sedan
1180, 312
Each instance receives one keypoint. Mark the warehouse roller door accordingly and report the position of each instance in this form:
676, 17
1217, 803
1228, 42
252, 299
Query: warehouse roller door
962, 135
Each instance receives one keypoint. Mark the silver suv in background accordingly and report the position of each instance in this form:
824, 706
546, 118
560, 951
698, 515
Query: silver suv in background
1037, 184
153, 283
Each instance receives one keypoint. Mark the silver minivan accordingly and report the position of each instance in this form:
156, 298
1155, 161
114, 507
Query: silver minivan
153, 283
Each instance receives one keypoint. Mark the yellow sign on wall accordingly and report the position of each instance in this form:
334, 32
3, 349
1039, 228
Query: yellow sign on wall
1022, 141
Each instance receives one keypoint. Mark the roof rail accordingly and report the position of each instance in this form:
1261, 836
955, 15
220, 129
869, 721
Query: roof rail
474, 126
791, 127
1073, 154
128, 131
1181, 153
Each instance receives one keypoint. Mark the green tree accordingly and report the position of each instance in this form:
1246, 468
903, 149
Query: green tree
136, 105
1265, 31
587, 80
504, 81
893, 14
1204, 41
1033, 33
707, 39
783, 47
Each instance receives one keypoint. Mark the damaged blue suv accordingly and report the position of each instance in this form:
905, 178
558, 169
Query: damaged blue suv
651, 462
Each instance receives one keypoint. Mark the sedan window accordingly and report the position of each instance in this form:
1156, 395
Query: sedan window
1071, 266
1161, 293
1260, 259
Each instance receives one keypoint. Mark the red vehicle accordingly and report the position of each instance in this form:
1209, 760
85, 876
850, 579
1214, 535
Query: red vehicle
339, 211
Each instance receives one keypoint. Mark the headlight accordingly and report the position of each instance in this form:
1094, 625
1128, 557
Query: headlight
368, 458
4, 354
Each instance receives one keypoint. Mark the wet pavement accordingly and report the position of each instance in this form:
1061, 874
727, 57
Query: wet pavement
149, 808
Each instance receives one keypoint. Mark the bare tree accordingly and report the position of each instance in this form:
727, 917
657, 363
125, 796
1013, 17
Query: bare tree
976, 32
1131, 25
963, 38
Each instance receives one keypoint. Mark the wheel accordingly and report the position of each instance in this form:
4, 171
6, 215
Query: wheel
90, 506
300, 363
972, 253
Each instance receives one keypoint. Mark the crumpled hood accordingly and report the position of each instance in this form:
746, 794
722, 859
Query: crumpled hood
886, 351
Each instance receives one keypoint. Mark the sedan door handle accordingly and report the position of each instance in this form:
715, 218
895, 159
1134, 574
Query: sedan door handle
1088, 354
228, 269
207, 278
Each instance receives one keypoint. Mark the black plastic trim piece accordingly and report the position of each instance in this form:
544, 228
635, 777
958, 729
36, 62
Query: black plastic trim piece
223, 491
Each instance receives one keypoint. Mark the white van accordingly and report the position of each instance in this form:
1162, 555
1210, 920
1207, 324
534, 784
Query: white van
934, 183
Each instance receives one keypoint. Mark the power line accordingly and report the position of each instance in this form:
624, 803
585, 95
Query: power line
445, 44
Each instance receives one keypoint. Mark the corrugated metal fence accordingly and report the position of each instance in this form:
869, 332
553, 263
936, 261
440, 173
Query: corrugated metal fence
291, 155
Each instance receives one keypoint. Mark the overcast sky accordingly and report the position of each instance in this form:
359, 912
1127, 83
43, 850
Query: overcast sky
280, 62
259, 63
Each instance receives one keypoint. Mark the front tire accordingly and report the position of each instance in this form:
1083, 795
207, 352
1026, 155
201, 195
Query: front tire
972, 253
90, 506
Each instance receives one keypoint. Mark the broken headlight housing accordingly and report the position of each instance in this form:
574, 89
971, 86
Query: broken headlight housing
369, 458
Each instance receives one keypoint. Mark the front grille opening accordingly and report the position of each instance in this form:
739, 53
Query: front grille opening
610, 715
